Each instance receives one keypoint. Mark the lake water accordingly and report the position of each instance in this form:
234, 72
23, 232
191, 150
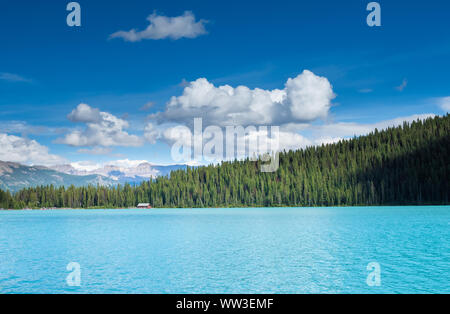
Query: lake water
272, 250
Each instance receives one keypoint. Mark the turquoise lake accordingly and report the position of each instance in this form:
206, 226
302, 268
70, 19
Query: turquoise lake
270, 250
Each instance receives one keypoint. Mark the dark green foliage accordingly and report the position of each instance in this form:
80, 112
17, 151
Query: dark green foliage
407, 165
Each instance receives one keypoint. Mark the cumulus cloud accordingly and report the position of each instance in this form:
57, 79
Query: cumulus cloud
26, 151
161, 27
102, 129
215, 144
84, 113
309, 96
304, 98
179, 133
444, 103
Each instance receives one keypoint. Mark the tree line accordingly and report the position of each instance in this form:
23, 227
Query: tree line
406, 165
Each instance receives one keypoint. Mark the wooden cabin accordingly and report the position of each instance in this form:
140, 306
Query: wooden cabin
144, 206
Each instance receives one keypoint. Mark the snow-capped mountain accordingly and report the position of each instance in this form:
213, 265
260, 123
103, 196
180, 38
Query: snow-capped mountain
121, 171
14, 177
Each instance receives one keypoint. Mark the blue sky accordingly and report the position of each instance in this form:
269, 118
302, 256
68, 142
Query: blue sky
378, 74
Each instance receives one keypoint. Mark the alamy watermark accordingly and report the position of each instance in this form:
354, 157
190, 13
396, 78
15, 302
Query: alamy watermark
374, 18
214, 144
74, 17
74, 277
374, 277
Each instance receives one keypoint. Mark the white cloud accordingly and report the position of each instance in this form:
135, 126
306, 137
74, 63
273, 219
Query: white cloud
102, 129
179, 134
161, 27
303, 99
444, 103
228, 146
96, 151
151, 133
84, 113
26, 151
85, 165
22, 127
309, 96
91, 166
347, 130
327, 140
126, 163
286, 141
10, 77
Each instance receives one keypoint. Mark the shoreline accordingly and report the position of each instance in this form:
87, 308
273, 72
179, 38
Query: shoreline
231, 207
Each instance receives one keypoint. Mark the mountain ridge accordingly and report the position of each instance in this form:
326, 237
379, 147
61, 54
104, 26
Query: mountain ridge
132, 174
15, 176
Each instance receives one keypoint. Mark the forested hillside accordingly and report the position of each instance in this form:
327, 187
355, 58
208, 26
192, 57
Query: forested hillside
408, 165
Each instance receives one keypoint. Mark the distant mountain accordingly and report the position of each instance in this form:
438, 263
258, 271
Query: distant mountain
14, 177
133, 175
